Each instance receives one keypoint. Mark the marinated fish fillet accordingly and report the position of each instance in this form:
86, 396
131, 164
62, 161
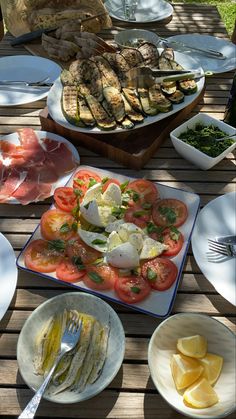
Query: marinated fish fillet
149, 53
41, 346
103, 120
100, 354
108, 76
115, 101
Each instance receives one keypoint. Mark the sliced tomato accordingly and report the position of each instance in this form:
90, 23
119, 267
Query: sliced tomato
77, 248
56, 224
168, 212
108, 182
132, 289
100, 277
137, 215
69, 272
84, 179
65, 198
171, 237
41, 258
141, 192
161, 273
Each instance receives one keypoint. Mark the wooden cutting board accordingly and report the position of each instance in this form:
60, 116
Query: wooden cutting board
131, 148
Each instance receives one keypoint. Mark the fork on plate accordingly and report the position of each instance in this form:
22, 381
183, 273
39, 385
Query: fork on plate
69, 340
226, 249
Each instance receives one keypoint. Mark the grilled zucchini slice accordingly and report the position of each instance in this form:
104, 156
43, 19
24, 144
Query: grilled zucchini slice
164, 63
175, 65
69, 104
188, 87
158, 100
127, 123
84, 112
132, 97
176, 97
145, 102
108, 76
133, 115
66, 78
103, 120
116, 103
168, 88
168, 53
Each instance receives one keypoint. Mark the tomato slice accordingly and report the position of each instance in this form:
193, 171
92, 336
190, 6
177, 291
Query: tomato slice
77, 248
132, 289
168, 212
56, 224
108, 182
84, 179
142, 191
100, 277
172, 237
160, 273
69, 272
65, 198
137, 215
41, 258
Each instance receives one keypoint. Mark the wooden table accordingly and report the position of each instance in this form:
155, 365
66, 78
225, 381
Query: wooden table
132, 393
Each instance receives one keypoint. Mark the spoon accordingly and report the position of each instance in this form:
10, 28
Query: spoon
226, 137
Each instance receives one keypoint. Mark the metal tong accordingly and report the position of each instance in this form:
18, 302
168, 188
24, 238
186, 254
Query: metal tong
210, 52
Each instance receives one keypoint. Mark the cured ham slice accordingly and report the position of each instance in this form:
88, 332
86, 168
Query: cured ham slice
11, 180
32, 150
60, 155
32, 189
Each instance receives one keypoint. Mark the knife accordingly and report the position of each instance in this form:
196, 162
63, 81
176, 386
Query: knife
146, 77
226, 239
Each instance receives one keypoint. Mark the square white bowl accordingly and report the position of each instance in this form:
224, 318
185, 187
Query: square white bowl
202, 160
221, 341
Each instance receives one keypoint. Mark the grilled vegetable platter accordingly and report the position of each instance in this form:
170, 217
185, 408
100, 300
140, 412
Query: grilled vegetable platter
119, 237
95, 95
90, 366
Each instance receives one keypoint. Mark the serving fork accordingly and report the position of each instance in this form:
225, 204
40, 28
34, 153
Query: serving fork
226, 249
37, 83
69, 340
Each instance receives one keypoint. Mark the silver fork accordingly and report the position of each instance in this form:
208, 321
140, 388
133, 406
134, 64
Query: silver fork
226, 249
69, 340
36, 83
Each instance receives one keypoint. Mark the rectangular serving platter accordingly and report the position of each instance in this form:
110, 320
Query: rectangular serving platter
158, 303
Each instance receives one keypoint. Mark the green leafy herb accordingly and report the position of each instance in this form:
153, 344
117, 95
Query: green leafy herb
104, 180
78, 193
151, 274
99, 242
152, 228
58, 245
95, 277
74, 226
140, 213
147, 205
124, 185
92, 182
79, 182
203, 138
75, 211
174, 233
118, 212
135, 196
136, 290
87, 205
168, 213
77, 261
65, 228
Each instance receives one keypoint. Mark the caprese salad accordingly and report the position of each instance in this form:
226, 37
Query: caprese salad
110, 235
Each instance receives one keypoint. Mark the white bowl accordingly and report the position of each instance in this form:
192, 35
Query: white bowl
191, 153
132, 35
220, 340
85, 303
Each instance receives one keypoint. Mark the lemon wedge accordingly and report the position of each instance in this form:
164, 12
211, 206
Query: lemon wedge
194, 346
201, 394
212, 365
184, 370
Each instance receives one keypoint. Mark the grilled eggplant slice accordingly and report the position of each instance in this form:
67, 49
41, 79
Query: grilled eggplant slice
103, 120
108, 76
188, 87
145, 102
168, 53
133, 56
69, 103
116, 103
88, 77
133, 115
175, 65
158, 100
176, 97
164, 64
84, 112
66, 78
168, 88
133, 99
117, 62
149, 53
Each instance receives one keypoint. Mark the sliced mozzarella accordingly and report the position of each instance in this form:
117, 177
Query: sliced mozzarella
136, 240
92, 239
126, 229
114, 240
112, 195
113, 226
151, 248
90, 213
95, 192
105, 213
123, 256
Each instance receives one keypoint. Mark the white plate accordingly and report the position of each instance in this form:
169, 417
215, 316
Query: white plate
14, 139
148, 11
157, 303
55, 110
218, 218
30, 69
84, 303
8, 274
208, 63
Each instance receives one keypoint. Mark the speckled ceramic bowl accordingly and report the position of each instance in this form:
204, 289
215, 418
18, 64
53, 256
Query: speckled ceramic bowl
85, 303
130, 37
220, 340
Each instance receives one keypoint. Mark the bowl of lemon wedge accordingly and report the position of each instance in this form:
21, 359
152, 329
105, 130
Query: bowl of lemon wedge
191, 359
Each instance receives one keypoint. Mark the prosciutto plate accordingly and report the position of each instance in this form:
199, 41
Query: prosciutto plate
33, 164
